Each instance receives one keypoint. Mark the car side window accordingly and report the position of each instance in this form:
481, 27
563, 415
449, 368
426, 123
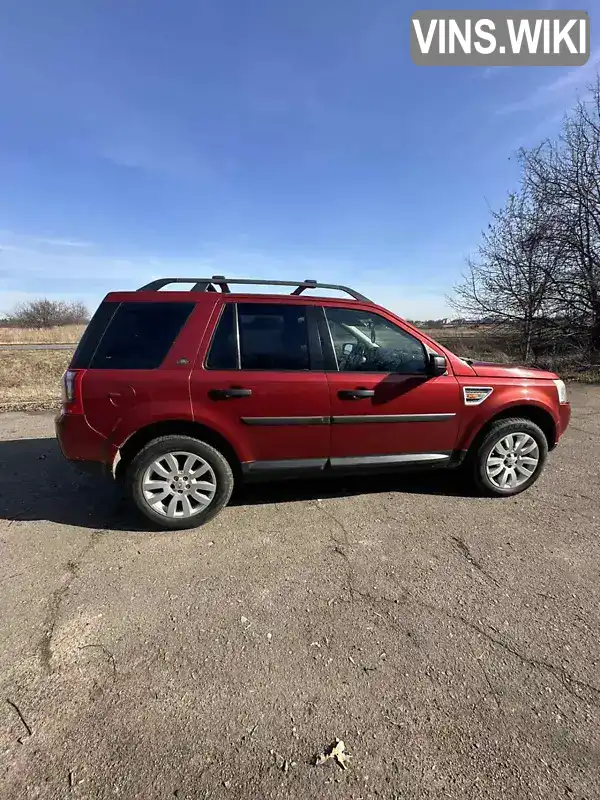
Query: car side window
367, 342
139, 335
223, 348
273, 336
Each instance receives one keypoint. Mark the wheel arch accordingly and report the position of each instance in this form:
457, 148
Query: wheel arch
197, 430
536, 414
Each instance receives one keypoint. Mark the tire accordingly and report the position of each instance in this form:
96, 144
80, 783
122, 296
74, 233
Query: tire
525, 435
151, 476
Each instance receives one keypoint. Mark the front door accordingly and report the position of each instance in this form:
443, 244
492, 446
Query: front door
262, 385
385, 407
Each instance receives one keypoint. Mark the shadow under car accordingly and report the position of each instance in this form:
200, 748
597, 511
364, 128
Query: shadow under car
39, 484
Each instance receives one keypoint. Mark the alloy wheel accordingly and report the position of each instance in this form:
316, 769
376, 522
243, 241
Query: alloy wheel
179, 485
512, 461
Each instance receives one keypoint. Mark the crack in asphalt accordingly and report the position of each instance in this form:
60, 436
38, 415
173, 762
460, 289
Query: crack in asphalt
486, 677
463, 548
55, 600
339, 549
579, 689
106, 652
559, 673
339, 546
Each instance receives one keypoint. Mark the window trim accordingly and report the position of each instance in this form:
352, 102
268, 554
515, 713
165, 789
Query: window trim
215, 328
332, 356
315, 350
329, 354
236, 337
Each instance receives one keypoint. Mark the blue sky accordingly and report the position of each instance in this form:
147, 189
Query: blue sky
272, 138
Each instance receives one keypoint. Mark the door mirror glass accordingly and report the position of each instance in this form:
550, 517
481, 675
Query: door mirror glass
437, 365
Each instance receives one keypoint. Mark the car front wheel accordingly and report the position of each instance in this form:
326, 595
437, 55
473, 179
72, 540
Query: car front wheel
510, 457
179, 482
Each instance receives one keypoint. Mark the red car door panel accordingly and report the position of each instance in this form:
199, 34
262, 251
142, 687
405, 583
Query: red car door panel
270, 402
405, 414
383, 401
285, 416
137, 374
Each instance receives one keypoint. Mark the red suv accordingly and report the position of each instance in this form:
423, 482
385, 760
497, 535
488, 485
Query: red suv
182, 393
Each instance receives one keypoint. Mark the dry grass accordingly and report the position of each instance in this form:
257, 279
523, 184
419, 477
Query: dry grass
477, 343
486, 345
65, 334
591, 375
459, 331
30, 380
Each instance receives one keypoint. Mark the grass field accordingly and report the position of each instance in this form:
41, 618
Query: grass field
66, 334
30, 380
484, 346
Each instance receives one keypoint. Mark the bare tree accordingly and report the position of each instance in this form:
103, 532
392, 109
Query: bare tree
564, 176
46, 313
513, 277
538, 266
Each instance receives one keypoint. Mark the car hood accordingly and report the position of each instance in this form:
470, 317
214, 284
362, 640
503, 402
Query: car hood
488, 369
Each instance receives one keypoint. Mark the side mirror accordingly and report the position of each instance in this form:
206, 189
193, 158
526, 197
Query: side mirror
437, 365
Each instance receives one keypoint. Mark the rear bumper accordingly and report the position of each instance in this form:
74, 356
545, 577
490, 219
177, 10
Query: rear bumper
81, 444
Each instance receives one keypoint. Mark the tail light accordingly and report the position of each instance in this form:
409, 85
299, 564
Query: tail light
71, 391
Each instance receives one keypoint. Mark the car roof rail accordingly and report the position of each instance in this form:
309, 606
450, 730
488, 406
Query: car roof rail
210, 284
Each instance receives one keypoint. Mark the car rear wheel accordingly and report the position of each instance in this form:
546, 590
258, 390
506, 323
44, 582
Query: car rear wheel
510, 458
179, 482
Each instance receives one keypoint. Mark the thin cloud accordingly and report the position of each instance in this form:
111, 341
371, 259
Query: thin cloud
9, 240
62, 242
77, 273
492, 72
556, 90
539, 131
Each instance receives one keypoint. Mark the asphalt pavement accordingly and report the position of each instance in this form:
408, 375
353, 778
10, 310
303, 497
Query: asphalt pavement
450, 641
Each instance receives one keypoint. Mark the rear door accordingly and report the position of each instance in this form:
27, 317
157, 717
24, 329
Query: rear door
386, 408
122, 364
261, 383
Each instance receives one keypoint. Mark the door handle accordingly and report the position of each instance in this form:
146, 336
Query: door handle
226, 394
355, 394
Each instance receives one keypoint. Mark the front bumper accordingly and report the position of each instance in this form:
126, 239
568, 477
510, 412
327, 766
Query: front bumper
564, 415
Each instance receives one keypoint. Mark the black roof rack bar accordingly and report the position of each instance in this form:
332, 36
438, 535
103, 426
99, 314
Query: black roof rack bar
209, 284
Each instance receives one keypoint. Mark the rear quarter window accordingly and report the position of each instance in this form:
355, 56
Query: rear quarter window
88, 343
136, 336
